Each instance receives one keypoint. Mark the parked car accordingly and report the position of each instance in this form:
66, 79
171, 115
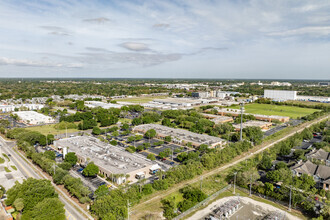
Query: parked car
80, 170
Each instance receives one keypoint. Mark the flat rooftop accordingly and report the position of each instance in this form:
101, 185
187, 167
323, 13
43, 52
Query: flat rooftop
94, 104
33, 116
109, 157
181, 134
253, 123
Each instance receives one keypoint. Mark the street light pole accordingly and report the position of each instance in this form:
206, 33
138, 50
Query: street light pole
235, 182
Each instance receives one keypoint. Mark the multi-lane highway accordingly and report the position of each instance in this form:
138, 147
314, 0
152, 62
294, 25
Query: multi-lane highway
72, 211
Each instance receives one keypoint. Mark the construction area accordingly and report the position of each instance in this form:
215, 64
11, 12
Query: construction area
113, 161
33, 118
181, 136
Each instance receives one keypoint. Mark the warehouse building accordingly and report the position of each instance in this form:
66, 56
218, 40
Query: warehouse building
94, 104
33, 118
113, 162
280, 95
181, 136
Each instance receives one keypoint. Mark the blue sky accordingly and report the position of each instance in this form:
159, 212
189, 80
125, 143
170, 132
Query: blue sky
286, 39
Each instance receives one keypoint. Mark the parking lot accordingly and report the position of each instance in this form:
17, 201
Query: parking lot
91, 182
122, 141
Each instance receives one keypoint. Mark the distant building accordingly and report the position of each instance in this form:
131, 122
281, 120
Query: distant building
280, 95
324, 83
280, 84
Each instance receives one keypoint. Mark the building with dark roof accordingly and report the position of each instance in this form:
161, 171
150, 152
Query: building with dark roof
320, 155
320, 173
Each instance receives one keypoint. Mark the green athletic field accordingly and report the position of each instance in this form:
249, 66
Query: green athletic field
282, 110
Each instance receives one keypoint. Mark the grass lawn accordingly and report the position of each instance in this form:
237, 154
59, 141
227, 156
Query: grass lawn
14, 167
281, 110
50, 129
125, 120
141, 99
7, 169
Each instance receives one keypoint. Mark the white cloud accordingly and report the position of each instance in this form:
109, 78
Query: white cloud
103, 34
134, 46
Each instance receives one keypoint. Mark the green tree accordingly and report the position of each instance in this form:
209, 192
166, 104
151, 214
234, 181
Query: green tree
71, 158
265, 163
91, 170
151, 157
168, 138
32, 191
49, 208
101, 191
151, 133
96, 131
19, 204
50, 154
125, 126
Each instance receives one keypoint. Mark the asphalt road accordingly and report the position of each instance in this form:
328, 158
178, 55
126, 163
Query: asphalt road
27, 170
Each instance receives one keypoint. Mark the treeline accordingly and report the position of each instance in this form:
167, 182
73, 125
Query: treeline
46, 162
280, 178
28, 89
35, 199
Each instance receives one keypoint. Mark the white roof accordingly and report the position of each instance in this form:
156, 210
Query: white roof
155, 167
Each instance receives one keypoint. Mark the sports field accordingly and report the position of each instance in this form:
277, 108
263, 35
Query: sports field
281, 110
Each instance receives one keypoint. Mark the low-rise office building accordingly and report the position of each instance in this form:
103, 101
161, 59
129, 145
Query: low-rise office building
113, 162
181, 136
261, 124
33, 118
218, 119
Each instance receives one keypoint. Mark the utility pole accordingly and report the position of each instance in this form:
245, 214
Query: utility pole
235, 183
241, 128
201, 182
128, 209
290, 200
250, 184
66, 131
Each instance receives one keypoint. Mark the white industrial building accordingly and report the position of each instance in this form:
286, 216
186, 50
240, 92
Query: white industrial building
280, 95
11, 108
33, 118
113, 162
94, 104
